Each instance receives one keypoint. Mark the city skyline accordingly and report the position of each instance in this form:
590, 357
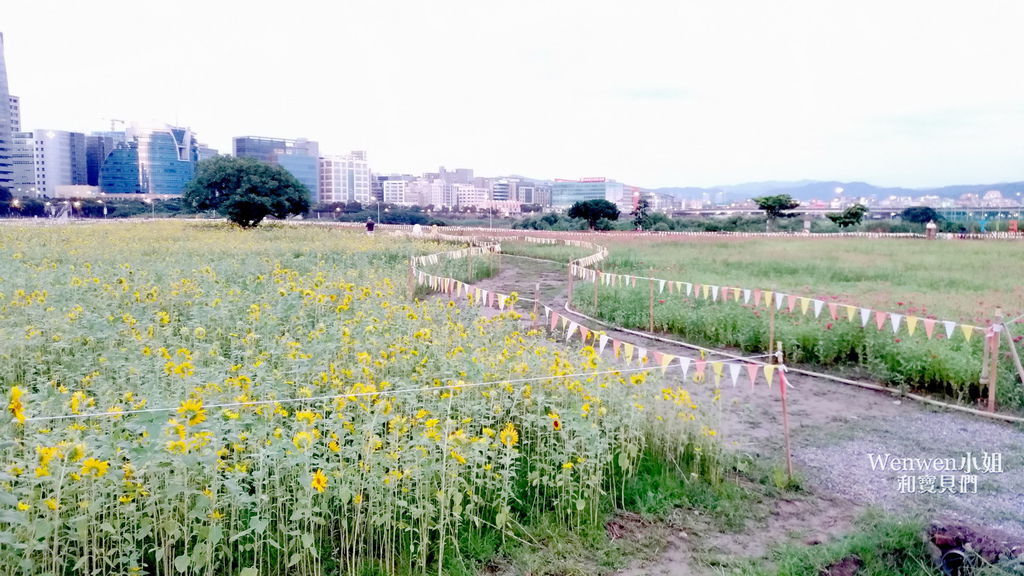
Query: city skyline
916, 94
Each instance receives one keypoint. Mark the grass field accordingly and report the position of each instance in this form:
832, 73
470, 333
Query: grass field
952, 279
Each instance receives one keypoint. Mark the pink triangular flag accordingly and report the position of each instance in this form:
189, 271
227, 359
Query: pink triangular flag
791, 301
880, 319
929, 327
752, 373
833, 310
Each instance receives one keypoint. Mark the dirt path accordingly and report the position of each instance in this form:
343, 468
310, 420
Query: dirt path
839, 434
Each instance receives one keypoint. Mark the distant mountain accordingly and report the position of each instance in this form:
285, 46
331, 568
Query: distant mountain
805, 190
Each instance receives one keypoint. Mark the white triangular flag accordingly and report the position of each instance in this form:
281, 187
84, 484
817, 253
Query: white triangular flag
501, 301
817, 307
895, 318
641, 353
684, 363
547, 312
865, 315
572, 328
602, 342
661, 286
779, 297
689, 288
949, 325
734, 373
714, 293
746, 295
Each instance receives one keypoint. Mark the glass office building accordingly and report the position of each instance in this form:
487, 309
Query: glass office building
6, 132
565, 193
300, 157
158, 160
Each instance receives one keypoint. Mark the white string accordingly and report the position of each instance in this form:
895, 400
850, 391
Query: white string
335, 396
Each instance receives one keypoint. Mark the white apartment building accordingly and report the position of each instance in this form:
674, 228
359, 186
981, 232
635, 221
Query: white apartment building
469, 196
395, 192
345, 178
46, 159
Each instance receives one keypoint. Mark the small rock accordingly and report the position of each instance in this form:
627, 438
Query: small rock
897, 402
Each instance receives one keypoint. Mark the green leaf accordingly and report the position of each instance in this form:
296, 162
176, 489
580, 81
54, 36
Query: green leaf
307, 540
249, 572
181, 563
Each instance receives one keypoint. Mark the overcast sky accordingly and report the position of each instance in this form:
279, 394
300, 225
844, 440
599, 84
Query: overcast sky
667, 93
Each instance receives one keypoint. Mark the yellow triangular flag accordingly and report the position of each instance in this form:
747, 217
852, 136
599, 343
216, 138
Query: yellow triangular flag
804, 303
850, 312
911, 324
968, 331
666, 359
769, 371
706, 288
718, 368
768, 298
627, 349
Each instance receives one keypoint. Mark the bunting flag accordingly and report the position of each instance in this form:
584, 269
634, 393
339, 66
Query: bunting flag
746, 296
665, 360
627, 350
658, 357
768, 298
547, 312
689, 288
769, 370
757, 297
705, 290
880, 319
850, 312
671, 287
791, 302
865, 314
554, 320
615, 347
584, 332
949, 326
817, 308
911, 324
714, 293
737, 294
602, 342
833, 310
572, 329
895, 318
734, 373
490, 300
641, 354
698, 369
502, 298
718, 368
779, 299
968, 331
684, 364
752, 374
929, 327
661, 286
696, 290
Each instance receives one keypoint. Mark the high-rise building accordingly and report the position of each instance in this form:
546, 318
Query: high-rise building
345, 178
98, 146
504, 189
565, 193
15, 113
150, 160
300, 157
6, 134
46, 159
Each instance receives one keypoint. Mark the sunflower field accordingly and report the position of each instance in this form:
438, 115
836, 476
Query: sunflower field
196, 399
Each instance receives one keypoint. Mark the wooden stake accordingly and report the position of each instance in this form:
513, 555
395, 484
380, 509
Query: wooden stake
1013, 352
570, 284
993, 371
777, 359
412, 279
650, 304
536, 304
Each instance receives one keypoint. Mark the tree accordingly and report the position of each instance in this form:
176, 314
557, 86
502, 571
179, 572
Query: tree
594, 210
641, 219
775, 206
920, 214
849, 217
245, 191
